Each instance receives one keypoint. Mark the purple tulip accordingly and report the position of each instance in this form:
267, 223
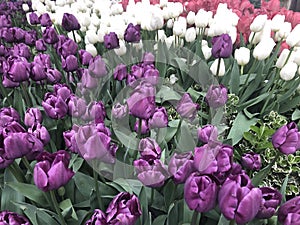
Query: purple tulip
87, 81
186, 107
69, 138
181, 166
216, 96
84, 57
34, 19
43, 59
12, 218
208, 133
119, 111
221, 46
40, 132
62, 90
111, 40
148, 58
70, 63
151, 174
251, 161
238, 200
151, 75
137, 71
7, 115
149, 149
96, 112
7, 34
69, 47
4, 50
45, 20
124, 209
120, 72
76, 106
159, 118
54, 106
33, 116
50, 36
18, 34
132, 33
12, 127
70, 22
144, 127
287, 139
40, 45
53, 76
93, 144
271, 199
289, 212
130, 80
200, 192
141, 103
16, 69
5, 21
30, 37
97, 67
21, 50
4, 161
38, 72
98, 218
51, 171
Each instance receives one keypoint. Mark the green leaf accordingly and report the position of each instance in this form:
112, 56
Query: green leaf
262, 174
234, 83
283, 189
144, 203
223, 220
240, 125
167, 94
186, 140
29, 191
160, 220
201, 73
296, 114
169, 190
67, 209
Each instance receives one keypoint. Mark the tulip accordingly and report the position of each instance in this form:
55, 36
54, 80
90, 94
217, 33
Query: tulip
50, 36
21, 50
181, 166
69, 47
202, 18
97, 67
294, 37
96, 112
144, 127
216, 96
33, 116
277, 22
34, 19
151, 174
191, 18
70, 141
258, 23
69, 22
287, 139
40, 45
7, 217
214, 67
159, 118
70, 63
17, 69
76, 106
87, 81
111, 41
186, 107
51, 171
200, 192
120, 72
53, 76
289, 212
54, 106
98, 218
12, 127
30, 38
137, 71
284, 31
251, 161
238, 200
84, 57
122, 49
132, 33
38, 72
190, 34
208, 133
271, 199
7, 115
179, 27
124, 209
45, 20
40, 132
149, 149
282, 58
119, 111
264, 48
221, 46
242, 56
288, 71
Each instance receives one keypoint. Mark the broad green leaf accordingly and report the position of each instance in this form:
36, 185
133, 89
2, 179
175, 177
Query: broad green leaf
144, 203
167, 94
169, 193
202, 75
223, 220
234, 79
283, 189
296, 114
160, 220
67, 209
186, 140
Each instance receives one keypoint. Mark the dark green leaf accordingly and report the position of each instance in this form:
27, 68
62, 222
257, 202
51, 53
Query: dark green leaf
234, 79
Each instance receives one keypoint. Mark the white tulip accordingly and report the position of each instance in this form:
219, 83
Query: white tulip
206, 51
277, 22
91, 36
77, 36
282, 58
264, 48
157, 21
25, 7
161, 35
214, 67
233, 34
191, 18
170, 23
294, 37
91, 49
101, 33
116, 9
163, 3
60, 2
179, 27
296, 57
202, 18
288, 71
122, 49
258, 23
190, 34
242, 56
84, 19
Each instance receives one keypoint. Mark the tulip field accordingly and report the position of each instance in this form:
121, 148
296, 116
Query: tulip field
149, 112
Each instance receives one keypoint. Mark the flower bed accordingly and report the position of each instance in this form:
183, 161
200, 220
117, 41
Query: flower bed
152, 112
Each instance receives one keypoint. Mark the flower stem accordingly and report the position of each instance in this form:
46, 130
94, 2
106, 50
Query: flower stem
140, 128
27, 164
17, 174
232, 222
57, 209
195, 218
218, 68
100, 203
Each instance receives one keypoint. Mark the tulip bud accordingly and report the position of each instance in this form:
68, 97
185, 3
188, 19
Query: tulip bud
264, 48
251, 161
179, 27
191, 18
186, 107
277, 22
111, 41
202, 18
70, 22
288, 71
282, 58
214, 67
33, 116
284, 31
258, 23
208, 133
91, 49
294, 37
242, 56
216, 96
122, 49
144, 129
190, 34
288, 213
7, 217
97, 67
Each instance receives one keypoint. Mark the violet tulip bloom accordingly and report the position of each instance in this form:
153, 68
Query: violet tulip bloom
151, 174
69, 47
216, 96
200, 192
96, 112
70, 63
221, 46
124, 209
21, 50
76, 106
97, 67
148, 58
181, 166
40, 132
43, 59
98, 218
40, 45
7, 218
4, 162
119, 111
144, 127
208, 133
238, 200
51, 171
111, 41
16, 69
251, 161
50, 36
120, 72
38, 72
271, 199
289, 212
53, 76
159, 118
34, 19
84, 57
287, 139
45, 20
70, 22
149, 149
54, 106
7, 115
33, 116
186, 107
132, 33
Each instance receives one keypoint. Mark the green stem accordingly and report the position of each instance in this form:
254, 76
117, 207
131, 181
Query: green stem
178, 129
57, 209
4, 93
100, 203
218, 68
19, 177
232, 222
195, 218
140, 128
152, 195
25, 93
27, 164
